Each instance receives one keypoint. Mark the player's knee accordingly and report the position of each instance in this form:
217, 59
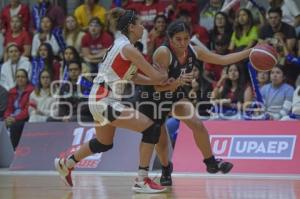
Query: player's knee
151, 134
98, 147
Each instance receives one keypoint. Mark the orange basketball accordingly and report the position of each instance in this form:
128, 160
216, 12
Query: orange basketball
263, 57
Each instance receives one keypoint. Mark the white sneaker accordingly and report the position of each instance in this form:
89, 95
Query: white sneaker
64, 171
147, 186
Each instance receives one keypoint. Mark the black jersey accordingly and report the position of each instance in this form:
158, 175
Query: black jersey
176, 68
157, 105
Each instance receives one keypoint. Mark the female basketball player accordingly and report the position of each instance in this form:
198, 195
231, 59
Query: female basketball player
178, 58
105, 97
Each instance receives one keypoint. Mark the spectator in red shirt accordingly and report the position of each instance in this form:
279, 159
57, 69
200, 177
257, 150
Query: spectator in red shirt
16, 113
15, 8
213, 72
148, 11
94, 43
157, 35
197, 31
18, 36
191, 7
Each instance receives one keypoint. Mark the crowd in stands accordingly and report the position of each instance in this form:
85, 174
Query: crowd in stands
44, 52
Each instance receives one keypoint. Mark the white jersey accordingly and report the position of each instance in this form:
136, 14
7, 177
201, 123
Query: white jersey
106, 105
115, 66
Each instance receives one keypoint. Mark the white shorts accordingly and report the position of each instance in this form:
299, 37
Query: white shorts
103, 106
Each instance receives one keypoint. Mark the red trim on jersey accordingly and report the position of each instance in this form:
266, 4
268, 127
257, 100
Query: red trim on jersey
101, 93
120, 66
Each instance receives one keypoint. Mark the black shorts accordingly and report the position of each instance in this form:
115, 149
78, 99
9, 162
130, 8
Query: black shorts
155, 105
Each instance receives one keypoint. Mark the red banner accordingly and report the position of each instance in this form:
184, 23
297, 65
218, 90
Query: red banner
269, 147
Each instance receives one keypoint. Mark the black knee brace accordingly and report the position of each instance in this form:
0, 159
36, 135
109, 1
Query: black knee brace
151, 134
98, 147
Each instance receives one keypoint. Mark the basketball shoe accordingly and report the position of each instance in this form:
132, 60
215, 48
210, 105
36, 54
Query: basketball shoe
147, 186
219, 165
166, 172
64, 171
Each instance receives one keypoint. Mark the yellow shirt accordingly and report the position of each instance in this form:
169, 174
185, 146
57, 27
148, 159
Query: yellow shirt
83, 16
245, 39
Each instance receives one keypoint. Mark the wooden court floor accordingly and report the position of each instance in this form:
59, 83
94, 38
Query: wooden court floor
36, 185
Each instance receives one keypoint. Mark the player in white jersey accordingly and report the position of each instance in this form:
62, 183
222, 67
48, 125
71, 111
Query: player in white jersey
120, 63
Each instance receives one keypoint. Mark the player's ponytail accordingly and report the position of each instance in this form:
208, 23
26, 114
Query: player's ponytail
120, 19
113, 17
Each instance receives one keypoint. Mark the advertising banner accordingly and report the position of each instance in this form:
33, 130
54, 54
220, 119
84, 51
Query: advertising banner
41, 143
270, 147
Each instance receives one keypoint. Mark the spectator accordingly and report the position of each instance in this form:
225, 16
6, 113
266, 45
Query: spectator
292, 69
290, 11
94, 43
208, 13
245, 33
15, 8
3, 101
15, 61
231, 92
222, 30
54, 12
263, 78
157, 35
50, 64
74, 105
212, 72
90, 9
44, 36
41, 99
16, 113
72, 33
148, 11
19, 36
276, 25
70, 55
277, 95
200, 93
173, 10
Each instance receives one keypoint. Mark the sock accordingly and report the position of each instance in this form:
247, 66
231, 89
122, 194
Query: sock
167, 167
210, 161
73, 158
71, 161
142, 173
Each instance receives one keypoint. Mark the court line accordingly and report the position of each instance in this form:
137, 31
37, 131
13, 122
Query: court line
155, 173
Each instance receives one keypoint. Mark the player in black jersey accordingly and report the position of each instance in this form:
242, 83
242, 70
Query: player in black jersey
178, 58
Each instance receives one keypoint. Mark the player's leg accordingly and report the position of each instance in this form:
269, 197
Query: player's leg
145, 125
187, 113
162, 150
102, 142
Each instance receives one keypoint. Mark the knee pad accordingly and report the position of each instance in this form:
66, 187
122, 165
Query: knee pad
151, 134
98, 147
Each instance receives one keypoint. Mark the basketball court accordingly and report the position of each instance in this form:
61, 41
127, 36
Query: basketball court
90, 185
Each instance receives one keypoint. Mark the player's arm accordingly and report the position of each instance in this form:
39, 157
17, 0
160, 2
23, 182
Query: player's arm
156, 75
142, 79
213, 58
162, 57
